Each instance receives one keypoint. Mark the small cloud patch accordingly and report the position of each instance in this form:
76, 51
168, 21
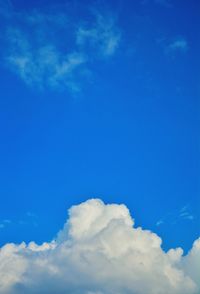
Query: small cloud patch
180, 44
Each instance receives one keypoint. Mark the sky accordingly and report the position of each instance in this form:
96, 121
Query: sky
99, 99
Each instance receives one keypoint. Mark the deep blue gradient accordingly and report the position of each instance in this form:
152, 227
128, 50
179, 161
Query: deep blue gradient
131, 136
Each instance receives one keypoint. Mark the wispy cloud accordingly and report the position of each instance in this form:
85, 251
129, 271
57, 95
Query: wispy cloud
165, 3
185, 213
30, 219
5, 223
182, 214
159, 222
99, 250
104, 36
179, 44
55, 50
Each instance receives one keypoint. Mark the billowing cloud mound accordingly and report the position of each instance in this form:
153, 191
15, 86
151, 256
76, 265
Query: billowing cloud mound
99, 252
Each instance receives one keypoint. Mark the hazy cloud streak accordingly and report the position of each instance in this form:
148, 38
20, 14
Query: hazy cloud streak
56, 50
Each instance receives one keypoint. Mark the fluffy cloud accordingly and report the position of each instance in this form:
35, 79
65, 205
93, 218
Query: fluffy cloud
56, 48
99, 251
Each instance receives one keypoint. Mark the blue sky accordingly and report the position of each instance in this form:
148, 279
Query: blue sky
99, 100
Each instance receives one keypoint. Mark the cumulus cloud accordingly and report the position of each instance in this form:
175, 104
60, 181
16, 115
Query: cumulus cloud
56, 49
99, 251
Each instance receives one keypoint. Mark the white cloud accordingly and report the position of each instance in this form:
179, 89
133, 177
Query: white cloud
54, 50
99, 251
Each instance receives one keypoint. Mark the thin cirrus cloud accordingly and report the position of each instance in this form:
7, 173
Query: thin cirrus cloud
4, 223
28, 219
180, 44
177, 216
99, 251
165, 3
104, 36
55, 50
